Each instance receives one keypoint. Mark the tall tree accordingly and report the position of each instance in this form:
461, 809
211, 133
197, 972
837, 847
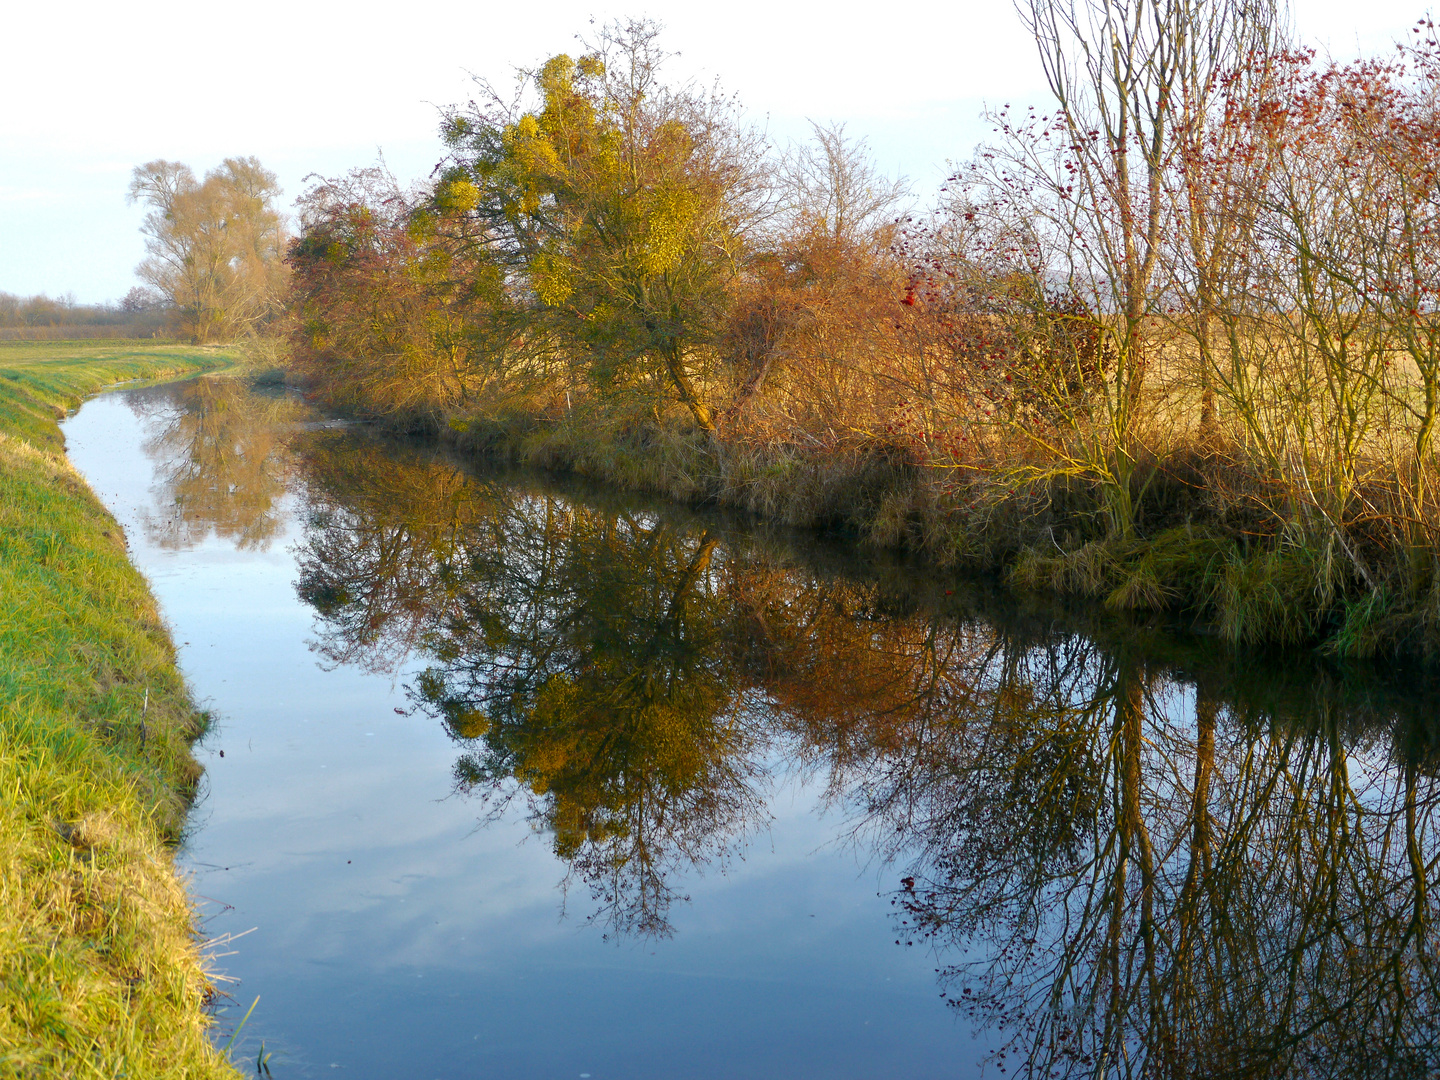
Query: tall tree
622, 205
214, 246
1092, 184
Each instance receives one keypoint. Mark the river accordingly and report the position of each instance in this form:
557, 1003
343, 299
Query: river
514, 778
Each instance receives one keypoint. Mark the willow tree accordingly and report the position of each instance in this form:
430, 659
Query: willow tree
214, 247
621, 205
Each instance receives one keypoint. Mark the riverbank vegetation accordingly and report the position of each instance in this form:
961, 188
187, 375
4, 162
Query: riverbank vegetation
100, 971
1169, 342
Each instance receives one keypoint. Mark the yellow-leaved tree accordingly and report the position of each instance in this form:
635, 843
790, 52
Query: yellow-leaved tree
620, 205
214, 247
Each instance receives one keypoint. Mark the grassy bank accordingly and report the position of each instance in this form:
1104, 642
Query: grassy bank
100, 972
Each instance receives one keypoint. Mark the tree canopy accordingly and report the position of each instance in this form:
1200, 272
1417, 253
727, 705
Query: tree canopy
621, 203
213, 246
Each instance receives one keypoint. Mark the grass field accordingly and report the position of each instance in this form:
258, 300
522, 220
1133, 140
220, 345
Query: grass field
100, 970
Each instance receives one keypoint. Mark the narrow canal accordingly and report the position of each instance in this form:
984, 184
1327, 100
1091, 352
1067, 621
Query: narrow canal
511, 778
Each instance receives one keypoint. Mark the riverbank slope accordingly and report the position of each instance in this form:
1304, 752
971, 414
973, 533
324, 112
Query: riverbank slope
1206, 546
100, 972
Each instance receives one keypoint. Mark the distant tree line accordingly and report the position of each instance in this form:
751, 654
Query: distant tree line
139, 314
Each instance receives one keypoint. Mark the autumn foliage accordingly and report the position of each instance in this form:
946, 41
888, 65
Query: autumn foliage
1170, 342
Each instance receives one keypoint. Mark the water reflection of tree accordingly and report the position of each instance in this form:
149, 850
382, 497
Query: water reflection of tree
376, 562
1165, 885
592, 659
1131, 854
218, 462
584, 658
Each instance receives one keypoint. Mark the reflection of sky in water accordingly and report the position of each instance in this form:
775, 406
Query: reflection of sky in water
1122, 841
396, 938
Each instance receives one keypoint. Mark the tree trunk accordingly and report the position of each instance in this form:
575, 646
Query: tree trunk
687, 391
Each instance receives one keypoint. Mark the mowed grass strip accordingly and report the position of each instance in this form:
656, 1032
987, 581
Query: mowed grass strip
100, 970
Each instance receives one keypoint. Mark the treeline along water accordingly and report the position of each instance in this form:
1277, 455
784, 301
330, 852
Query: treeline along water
785, 811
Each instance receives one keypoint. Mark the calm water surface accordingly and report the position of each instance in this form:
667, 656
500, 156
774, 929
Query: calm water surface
511, 779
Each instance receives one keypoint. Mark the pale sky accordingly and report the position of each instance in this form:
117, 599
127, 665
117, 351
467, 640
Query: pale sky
93, 89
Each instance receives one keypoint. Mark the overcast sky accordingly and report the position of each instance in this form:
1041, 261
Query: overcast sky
92, 90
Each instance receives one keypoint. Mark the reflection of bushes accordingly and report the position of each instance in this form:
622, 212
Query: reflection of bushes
1240, 900
326, 598
1118, 841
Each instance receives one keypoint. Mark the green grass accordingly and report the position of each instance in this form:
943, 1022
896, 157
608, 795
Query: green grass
100, 970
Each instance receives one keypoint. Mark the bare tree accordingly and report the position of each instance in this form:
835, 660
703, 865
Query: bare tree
214, 247
819, 293
1090, 184
1232, 58
831, 186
